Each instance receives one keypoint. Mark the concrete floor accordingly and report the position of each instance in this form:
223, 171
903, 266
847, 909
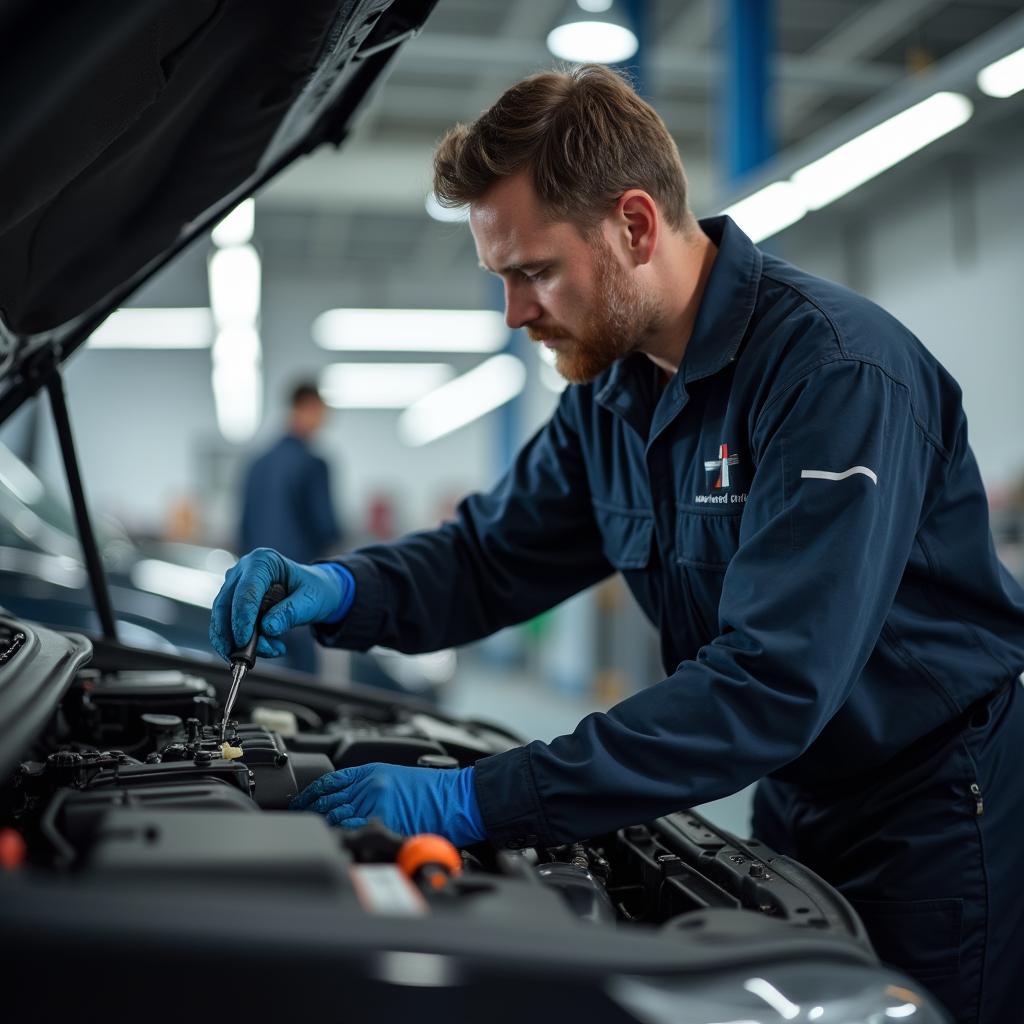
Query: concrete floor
516, 700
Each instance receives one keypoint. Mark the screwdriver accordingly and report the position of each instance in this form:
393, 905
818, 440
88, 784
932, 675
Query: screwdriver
243, 658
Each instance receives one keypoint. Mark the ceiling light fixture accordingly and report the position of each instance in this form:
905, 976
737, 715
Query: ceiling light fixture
834, 175
1004, 77
237, 227
410, 330
234, 276
768, 211
604, 36
486, 387
781, 204
381, 385
237, 382
155, 329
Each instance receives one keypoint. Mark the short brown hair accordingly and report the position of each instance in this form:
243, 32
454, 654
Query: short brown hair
585, 136
304, 391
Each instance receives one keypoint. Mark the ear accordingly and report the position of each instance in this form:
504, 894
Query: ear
637, 214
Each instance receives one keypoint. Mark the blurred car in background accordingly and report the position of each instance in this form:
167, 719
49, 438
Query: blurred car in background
161, 591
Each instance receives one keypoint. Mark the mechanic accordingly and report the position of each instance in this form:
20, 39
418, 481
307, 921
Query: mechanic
286, 502
781, 473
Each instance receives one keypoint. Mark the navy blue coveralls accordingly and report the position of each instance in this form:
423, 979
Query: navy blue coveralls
798, 512
286, 505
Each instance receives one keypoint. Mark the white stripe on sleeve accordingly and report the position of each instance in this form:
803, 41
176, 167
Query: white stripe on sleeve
822, 474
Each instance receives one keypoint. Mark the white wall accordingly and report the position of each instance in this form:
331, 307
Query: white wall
139, 420
944, 252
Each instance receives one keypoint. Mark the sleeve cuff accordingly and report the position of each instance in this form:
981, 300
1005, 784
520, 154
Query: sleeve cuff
348, 591
510, 808
361, 626
474, 824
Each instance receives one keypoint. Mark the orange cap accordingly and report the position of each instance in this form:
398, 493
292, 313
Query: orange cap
12, 849
427, 848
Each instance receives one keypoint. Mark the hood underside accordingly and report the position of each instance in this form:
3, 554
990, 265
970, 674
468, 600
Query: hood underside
129, 128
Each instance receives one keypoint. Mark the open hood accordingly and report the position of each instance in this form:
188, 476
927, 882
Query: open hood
128, 129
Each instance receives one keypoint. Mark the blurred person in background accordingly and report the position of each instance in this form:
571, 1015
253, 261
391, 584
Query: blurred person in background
780, 471
286, 503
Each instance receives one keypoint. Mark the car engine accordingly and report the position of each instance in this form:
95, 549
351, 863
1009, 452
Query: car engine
131, 775
131, 834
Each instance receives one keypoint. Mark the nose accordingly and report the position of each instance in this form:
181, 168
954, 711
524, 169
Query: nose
520, 308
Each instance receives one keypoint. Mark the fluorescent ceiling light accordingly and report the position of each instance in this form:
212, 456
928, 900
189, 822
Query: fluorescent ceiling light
236, 346
450, 214
769, 210
410, 330
237, 227
861, 159
599, 41
594, 6
235, 285
1003, 78
194, 586
453, 405
154, 328
381, 385
237, 382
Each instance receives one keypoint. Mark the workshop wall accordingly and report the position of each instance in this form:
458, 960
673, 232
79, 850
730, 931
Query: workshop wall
945, 255
944, 252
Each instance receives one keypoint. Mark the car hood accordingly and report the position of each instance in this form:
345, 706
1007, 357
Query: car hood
128, 129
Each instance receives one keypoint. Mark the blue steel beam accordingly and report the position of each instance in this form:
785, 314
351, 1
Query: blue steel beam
749, 137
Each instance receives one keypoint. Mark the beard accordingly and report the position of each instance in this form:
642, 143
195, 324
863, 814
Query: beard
621, 317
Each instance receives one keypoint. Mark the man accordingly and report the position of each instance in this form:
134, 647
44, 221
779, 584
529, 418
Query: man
286, 502
781, 473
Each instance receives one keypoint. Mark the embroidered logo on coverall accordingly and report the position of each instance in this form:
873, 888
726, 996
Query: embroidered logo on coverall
722, 481
721, 466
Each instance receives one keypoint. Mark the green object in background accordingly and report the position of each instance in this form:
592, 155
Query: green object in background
536, 629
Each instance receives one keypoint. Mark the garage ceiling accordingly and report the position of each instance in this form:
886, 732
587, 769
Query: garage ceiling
356, 215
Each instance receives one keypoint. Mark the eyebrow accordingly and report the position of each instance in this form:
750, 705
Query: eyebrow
528, 265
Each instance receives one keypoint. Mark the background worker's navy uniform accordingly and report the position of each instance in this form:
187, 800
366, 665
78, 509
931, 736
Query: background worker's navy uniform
799, 513
286, 505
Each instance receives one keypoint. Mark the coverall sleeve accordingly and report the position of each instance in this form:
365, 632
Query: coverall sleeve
246, 529
323, 524
829, 523
507, 556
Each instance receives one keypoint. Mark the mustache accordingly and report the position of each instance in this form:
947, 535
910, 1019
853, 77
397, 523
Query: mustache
547, 334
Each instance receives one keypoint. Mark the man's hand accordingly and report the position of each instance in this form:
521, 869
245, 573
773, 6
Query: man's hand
407, 800
316, 593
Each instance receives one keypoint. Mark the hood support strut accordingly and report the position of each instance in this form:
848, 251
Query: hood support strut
93, 562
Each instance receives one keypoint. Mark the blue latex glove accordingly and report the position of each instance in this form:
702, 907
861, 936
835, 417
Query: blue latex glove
316, 593
407, 800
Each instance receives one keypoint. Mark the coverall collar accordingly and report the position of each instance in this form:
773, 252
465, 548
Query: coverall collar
725, 311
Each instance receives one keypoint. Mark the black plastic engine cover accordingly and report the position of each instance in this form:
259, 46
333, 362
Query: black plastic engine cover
295, 850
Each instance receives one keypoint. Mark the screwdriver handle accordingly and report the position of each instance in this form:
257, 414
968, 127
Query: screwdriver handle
247, 654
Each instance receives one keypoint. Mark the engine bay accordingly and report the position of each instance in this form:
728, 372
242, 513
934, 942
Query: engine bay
130, 777
131, 833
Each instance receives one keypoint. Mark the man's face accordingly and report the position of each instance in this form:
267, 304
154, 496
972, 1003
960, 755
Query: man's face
570, 292
308, 416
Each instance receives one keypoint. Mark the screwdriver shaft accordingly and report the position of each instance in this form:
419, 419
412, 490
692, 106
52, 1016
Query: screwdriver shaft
243, 658
237, 672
